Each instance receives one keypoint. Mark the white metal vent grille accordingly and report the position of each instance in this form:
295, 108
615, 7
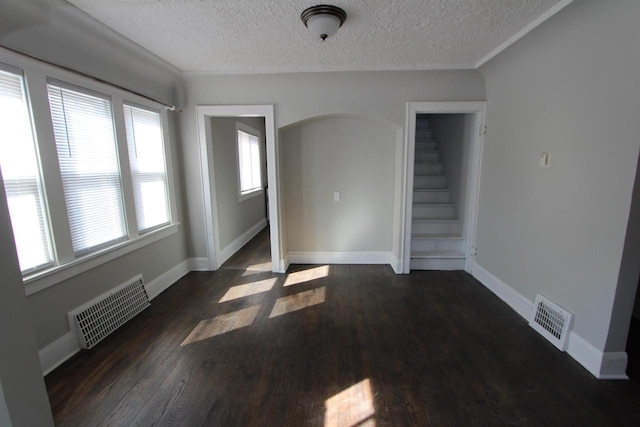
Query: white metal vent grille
103, 315
551, 321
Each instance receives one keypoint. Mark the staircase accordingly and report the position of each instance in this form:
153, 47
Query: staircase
436, 233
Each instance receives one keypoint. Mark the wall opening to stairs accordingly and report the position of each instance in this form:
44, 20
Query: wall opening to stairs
443, 172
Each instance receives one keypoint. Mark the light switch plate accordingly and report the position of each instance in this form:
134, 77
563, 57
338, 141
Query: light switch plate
336, 196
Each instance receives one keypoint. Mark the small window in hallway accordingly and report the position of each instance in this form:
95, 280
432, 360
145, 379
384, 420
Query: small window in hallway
249, 163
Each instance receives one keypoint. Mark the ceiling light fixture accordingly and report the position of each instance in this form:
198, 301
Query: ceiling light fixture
323, 20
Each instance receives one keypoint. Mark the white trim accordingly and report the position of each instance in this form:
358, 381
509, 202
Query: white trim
340, 257
240, 241
477, 108
251, 194
285, 263
60, 273
58, 352
602, 365
520, 34
203, 113
166, 279
198, 264
506, 293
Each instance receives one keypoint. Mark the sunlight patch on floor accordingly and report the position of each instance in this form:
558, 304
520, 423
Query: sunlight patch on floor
298, 301
222, 324
307, 275
351, 407
241, 291
265, 266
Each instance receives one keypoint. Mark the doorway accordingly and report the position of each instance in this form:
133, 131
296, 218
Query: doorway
217, 252
443, 115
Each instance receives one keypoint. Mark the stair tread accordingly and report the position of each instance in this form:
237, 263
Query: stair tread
430, 176
431, 190
428, 151
428, 163
435, 204
422, 219
437, 236
437, 254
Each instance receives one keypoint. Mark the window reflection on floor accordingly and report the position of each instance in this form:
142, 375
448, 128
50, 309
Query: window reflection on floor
351, 407
298, 301
306, 275
222, 324
253, 288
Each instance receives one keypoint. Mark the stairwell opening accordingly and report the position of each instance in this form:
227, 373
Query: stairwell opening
442, 164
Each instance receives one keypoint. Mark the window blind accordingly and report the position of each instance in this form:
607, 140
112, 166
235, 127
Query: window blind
249, 162
21, 175
88, 159
148, 171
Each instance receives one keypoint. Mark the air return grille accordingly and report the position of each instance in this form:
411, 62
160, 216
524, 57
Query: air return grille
103, 315
551, 321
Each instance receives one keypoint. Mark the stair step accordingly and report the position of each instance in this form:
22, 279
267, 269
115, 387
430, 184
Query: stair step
436, 260
427, 156
431, 226
427, 169
431, 196
426, 145
437, 236
438, 245
429, 182
423, 133
434, 210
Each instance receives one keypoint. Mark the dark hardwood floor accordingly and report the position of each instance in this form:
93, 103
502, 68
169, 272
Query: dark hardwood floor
347, 345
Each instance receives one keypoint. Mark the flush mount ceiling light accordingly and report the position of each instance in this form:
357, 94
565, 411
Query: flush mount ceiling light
323, 20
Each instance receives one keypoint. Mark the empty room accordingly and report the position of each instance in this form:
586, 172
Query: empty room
345, 214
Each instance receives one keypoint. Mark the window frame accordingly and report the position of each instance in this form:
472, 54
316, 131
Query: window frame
36, 76
241, 127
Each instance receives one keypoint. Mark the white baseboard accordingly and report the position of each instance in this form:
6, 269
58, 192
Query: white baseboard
284, 264
242, 240
339, 257
58, 352
166, 279
506, 293
198, 264
397, 264
602, 365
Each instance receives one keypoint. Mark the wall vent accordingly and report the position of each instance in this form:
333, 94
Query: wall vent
99, 317
551, 321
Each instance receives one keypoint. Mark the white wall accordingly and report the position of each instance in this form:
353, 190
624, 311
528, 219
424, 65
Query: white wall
302, 96
571, 87
351, 155
234, 217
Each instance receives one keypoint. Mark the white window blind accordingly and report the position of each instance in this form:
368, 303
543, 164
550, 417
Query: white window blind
21, 175
88, 158
249, 162
148, 170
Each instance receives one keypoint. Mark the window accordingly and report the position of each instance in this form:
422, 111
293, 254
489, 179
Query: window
88, 159
148, 171
249, 164
21, 174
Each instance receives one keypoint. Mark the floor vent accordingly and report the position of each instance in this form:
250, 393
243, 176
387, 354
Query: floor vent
106, 313
551, 321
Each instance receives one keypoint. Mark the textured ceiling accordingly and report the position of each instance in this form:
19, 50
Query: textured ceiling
257, 36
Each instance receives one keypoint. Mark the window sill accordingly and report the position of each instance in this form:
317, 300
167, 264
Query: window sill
47, 278
251, 195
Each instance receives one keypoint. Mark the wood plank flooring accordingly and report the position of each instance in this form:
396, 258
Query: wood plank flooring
339, 345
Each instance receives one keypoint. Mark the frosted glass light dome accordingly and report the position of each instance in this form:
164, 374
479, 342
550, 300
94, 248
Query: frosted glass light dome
323, 20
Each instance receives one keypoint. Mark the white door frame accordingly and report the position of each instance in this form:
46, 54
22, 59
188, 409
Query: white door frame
477, 108
203, 115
